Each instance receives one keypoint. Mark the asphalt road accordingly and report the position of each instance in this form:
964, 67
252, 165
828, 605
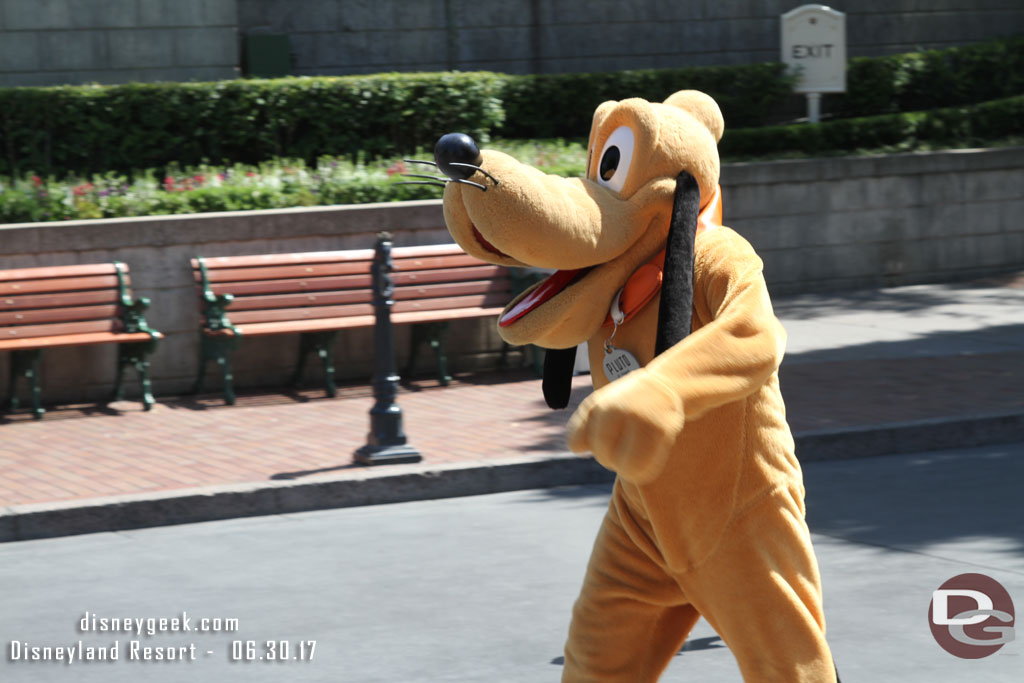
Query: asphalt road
480, 589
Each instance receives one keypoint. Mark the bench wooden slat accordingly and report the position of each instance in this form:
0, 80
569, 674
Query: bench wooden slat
57, 271
453, 289
428, 250
429, 262
81, 339
242, 318
59, 284
58, 329
266, 315
325, 324
315, 284
364, 296
54, 315
299, 300
60, 300
288, 272
297, 326
218, 262
474, 272
403, 317
450, 304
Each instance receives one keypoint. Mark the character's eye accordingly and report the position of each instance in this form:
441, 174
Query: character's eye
615, 158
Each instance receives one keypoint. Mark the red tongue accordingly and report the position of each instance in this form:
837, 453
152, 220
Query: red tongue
547, 289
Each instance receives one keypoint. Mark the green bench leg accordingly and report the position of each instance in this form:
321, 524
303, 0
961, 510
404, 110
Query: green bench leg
25, 364
217, 349
436, 335
320, 343
135, 355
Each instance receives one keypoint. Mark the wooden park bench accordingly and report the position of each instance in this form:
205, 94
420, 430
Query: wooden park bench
317, 294
61, 306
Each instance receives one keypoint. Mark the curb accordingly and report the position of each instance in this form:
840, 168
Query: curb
426, 482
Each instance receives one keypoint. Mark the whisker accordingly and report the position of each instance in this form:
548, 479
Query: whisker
420, 182
420, 161
428, 177
468, 182
475, 168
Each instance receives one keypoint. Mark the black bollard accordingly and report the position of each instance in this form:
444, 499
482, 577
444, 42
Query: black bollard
386, 442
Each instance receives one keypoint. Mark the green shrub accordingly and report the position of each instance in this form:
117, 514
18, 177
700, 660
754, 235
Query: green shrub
953, 126
88, 129
918, 81
562, 105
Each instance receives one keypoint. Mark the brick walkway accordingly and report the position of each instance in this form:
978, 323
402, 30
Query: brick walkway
79, 452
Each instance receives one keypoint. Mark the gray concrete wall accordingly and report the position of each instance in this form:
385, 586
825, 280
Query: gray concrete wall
848, 223
47, 42
547, 36
818, 224
55, 42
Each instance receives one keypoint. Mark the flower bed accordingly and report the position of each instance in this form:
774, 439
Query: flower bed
271, 185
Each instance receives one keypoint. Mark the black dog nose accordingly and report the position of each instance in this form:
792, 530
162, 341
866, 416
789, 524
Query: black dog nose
454, 149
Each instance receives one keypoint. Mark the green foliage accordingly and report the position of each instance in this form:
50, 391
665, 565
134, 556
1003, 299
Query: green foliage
929, 80
952, 127
562, 105
88, 129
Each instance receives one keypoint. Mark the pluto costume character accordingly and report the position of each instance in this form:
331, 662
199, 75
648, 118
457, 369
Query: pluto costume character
707, 514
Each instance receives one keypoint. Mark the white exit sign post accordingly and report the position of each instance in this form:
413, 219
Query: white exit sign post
814, 45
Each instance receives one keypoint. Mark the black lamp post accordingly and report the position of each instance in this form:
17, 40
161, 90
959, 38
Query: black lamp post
386, 442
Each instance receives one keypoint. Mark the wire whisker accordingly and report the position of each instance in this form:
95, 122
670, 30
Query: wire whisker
420, 182
420, 161
428, 177
468, 182
475, 168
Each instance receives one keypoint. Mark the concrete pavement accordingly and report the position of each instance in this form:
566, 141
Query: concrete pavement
480, 588
866, 373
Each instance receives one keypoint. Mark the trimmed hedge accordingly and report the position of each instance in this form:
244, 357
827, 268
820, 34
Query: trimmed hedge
94, 129
954, 126
562, 105
89, 129
933, 79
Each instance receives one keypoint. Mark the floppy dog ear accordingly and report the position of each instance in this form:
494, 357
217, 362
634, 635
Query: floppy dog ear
675, 316
557, 382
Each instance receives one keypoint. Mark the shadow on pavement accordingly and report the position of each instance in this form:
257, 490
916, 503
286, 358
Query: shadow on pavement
916, 501
985, 340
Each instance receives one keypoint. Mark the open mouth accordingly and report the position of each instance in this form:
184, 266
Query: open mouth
541, 294
538, 295
487, 245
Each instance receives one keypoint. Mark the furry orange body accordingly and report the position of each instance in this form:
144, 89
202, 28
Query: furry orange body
707, 516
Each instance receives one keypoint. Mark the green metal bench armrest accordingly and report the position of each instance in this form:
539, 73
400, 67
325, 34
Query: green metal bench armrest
134, 310
215, 317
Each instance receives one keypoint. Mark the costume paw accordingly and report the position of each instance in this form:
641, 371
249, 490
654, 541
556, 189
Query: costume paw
629, 425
